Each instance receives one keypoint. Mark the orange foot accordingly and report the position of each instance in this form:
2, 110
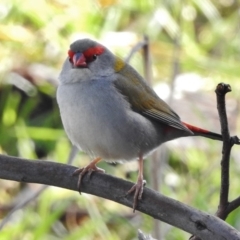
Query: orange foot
90, 168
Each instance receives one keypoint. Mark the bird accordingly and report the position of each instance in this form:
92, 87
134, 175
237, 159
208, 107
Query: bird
110, 112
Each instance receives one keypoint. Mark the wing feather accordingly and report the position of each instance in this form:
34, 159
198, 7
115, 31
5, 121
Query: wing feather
144, 100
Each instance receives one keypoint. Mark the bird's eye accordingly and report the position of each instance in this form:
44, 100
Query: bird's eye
94, 57
91, 58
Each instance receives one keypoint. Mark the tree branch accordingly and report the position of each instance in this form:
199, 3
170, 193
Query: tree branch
224, 207
112, 188
221, 91
233, 205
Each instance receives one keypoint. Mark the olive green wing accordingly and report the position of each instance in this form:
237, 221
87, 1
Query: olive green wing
144, 100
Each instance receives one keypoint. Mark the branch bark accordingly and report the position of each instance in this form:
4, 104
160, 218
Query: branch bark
221, 91
224, 207
154, 204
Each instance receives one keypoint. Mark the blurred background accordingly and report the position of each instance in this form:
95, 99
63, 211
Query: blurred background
194, 45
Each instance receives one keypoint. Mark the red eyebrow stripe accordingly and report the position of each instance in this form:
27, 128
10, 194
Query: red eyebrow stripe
70, 53
94, 50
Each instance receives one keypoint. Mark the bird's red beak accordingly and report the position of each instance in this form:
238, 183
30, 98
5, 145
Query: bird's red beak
79, 60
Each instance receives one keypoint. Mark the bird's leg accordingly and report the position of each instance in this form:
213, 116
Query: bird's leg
91, 167
138, 187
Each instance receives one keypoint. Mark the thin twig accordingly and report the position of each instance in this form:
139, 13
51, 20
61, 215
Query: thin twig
22, 203
135, 49
142, 236
233, 205
154, 160
176, 54
147, 60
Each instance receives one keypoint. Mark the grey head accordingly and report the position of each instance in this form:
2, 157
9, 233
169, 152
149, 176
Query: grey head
87, 59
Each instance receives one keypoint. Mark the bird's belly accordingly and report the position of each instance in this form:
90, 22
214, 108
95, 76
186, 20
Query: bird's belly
98, 124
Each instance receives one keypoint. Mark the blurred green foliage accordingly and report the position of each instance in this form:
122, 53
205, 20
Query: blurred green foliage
197, 36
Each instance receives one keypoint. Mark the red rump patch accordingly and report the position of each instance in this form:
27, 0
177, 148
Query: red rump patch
195, 129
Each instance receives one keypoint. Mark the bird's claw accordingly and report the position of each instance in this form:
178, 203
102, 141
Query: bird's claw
82, 171
138, 191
